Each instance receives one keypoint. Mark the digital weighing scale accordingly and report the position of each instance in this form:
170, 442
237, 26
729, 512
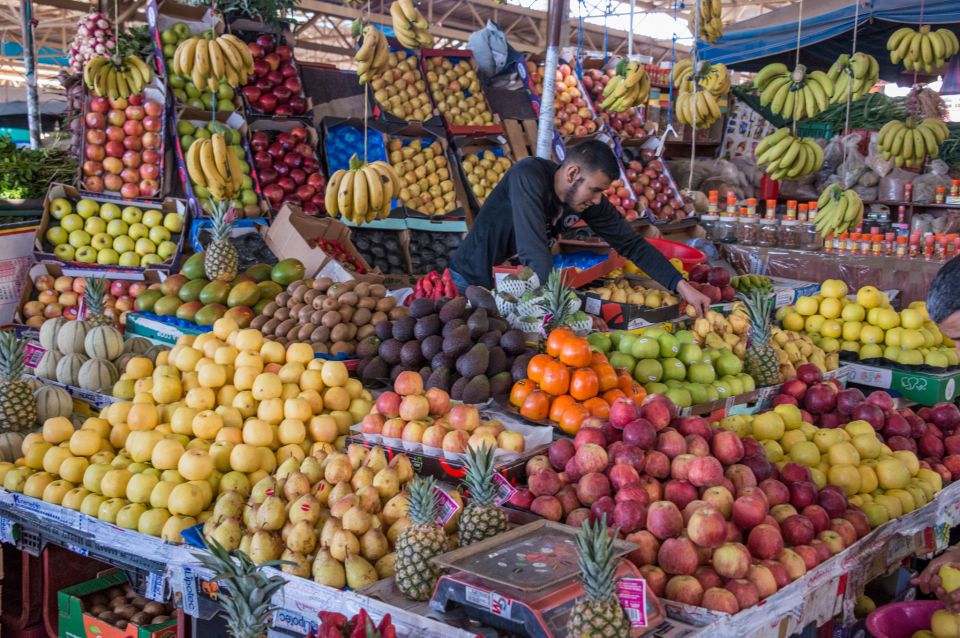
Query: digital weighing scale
525, 581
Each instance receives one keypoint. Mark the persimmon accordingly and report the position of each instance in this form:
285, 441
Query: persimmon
584, 384
612, 395
536, 406
576, 353
556, 379
536, 366
520, 390
624, 380
636, 392
560, 404
597, 358
556, 340
597, 407
572, 418
606, 375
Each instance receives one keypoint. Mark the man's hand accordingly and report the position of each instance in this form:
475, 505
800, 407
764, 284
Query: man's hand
699, 301
929, 579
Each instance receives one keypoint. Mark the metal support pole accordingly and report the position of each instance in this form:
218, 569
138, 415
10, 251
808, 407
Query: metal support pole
633, 6
556, 18
30, 70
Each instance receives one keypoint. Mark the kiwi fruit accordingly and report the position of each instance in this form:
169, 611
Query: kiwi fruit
154, 609
141, 618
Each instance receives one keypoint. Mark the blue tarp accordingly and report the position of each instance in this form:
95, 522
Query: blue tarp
827, 31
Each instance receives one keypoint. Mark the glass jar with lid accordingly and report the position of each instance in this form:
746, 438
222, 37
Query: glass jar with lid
809, 237
769, 229
748, 232
727, 229
709, 224
789, 234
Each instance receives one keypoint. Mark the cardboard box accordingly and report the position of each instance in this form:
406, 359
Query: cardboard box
16, 248
76, 623
333, 92
160, 329
523, 137
575, 278
165, 13
466, 146
397, 125
924, 388
455, 56
626, 316
461, 211
292, 234
43, 250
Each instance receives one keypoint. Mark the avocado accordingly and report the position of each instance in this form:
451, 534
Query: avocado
193, 267
450, 326
478, 323
474, 362
497, 361
481, 298
453, 309
390, 351
410, 355
384, 330
209, 314
496, 323
431, 346
500, 384
513, 342
456, 390
215, 292
441, 360
439, 378
421, 307
426, 327
368, 347
491, 339
425, 373
457, 342
244, 293
477, 390
287, 271
167, 305
145, 302
258, 272
403, 329
375, 370
519, 368
190, 291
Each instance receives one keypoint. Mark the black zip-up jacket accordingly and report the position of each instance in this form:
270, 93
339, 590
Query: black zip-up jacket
523, 216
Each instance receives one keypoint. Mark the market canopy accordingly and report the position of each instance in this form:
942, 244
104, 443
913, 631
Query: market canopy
826, 32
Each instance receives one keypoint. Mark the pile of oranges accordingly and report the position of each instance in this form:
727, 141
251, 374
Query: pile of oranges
571, 383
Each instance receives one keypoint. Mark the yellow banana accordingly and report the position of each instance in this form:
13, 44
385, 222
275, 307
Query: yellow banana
360, 194
330, 197
193, 163
220, 151
345, 196
216, 59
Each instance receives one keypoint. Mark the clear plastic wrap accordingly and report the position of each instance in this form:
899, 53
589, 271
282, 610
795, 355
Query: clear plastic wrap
854, 165
891, 186
804, 188
925, 186
708, 175
875, 160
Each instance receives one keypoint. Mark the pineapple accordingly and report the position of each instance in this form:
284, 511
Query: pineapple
220, 258
760, 359
249, 591
598, 612
481, 518
420, 542
94, 296
18, 410
559, 301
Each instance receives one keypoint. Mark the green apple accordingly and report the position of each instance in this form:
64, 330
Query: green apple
246, 184
88, 208
166, 249
168, 36
101, 241
95, 225
201, 192
108, 257
201, 133
193, 93
65, 252
117, 227
159, 234
57, 235
87, 254
152, 218
72, 222
145, 247
173, 222
109, 212
131, 214
123, 244
184, 127
129, 258
150, 260
60, 208
138, 230
79, 238
248, 197
186, 140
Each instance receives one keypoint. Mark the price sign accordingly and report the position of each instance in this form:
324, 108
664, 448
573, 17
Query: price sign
505, 491
448, 506
632, 593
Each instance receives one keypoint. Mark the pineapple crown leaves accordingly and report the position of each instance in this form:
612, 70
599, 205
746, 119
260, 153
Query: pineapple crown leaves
222, 216
247, 604
595, 545
94, 295
423, 504
11, 356
758, 305
555, 302
479, 474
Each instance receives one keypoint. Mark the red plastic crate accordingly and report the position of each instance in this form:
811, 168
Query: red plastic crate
22, 598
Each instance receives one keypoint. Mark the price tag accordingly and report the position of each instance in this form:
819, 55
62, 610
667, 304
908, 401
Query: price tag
156, 586
505, 491
873, 377
490, 601
448, 506
632, 593
184, 583
8, 531
591, 306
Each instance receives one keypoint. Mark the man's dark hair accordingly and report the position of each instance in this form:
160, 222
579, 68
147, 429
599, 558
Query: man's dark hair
943, 298
594, 156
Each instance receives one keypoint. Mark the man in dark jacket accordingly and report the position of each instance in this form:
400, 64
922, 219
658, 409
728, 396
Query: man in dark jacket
537, 200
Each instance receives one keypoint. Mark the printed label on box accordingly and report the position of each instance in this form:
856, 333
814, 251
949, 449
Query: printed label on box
632, 593
505, 491
874, 377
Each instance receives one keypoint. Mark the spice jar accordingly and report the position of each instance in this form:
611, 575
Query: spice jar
902, 249
748, 232
709, 225
770, 210
877, 248
827, 242
802, 213
789, 234
768, 233
955, 188
809, 237
866, 243
940, 196
726, 232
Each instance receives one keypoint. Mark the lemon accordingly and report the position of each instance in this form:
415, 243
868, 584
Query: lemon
893, 336
806, 306
830, 308
871, 334
793, 320
911, 318
813, 323
853, 312
870, 297
829, 344
850, 346
912, 339
832, 327
871, 351
887, 318
851, 330
833, 289
805, 453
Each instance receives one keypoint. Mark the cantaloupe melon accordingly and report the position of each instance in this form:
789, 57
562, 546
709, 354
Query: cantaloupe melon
47, 368
98, 375
68, 369
10, 444
48, 332
103, 342
136, 345
52, 402
70, 337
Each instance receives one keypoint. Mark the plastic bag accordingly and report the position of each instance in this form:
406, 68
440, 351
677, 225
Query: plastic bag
855, 165
875, 160
833, 153
925, 186
891, 186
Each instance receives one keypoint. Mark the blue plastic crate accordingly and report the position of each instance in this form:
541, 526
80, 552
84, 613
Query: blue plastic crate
344, 140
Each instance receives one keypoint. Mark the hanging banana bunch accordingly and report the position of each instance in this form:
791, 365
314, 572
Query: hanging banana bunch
922, 50
362, 192
793, 95
373, 55
709, 77
788, 156
910, 142
711, 22
854, 74
209, 60
109, 79
700, 108
628, 88
412, 30
838, 211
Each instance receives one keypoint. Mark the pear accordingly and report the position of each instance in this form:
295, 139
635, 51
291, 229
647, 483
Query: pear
300, 566
338, 491
229, 504
331, 527
344, 543
387, 482
393, 532
376, 459
386, 565
360, 572
285, 531
369, 499
357, 454
394, 509
361, 478
272, 514
328, 571
302, 538
338, 468
305, 508
312, 469
264, 546
267, 486
322, 491
287, 468
250, 515
340, 507
401, 463
296, 485
228, 533
245, 543
356, 520
373, 544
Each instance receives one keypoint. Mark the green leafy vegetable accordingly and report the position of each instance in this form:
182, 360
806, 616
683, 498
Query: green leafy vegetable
26, 173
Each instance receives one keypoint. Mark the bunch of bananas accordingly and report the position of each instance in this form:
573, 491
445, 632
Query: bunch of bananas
373, 55
412, 30
711, 24
922, 50
789, 156
698, 110
793, 95
211, 60
746, 283
629, 87
214, 166
362, 192
108, 79
854, 75
909, 142
710, 77
838, 210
